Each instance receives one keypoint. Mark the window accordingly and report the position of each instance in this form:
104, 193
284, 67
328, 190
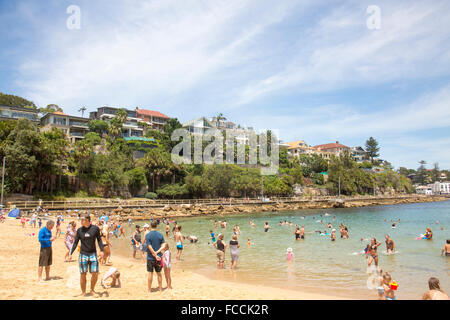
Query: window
59, 121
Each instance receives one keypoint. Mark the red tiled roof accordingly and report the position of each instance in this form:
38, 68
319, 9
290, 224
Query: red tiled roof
330, 146
151, 113
60, 113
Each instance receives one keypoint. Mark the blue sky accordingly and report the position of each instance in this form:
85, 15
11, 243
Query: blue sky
312, 70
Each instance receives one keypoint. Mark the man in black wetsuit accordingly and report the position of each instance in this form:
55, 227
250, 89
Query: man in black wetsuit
88, 260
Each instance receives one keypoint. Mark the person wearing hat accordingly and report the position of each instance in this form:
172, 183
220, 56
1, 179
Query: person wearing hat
136, 240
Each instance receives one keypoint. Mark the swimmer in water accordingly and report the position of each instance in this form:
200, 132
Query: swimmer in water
333, 235
248, 242
344, 233
289, 254
429, 234
390, 245
446, 249
266, 226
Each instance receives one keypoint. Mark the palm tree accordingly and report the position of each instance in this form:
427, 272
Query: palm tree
82, 110
219, 118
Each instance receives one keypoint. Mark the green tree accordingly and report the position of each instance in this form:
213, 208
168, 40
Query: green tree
136, 179
58, 144
372, 148
51, 108
15, 101
98, 126
116, 123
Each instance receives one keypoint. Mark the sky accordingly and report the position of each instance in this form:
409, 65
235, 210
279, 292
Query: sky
319, 71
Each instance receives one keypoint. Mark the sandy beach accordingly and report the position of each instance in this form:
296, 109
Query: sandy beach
19, 254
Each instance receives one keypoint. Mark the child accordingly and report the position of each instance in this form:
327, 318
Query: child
248, 242
166, 263
213, 236
380, 287
22, 221
39, 222
289, 255
389, 294
114, 274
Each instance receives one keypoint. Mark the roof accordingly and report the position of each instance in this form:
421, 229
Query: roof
151, 113
330, 146
59, 113
296, 144
21, 108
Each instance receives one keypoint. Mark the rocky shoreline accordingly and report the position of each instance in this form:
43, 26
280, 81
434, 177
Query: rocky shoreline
195, 210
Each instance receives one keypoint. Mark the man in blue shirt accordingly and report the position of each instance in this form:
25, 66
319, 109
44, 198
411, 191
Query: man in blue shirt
45, 255
154, 242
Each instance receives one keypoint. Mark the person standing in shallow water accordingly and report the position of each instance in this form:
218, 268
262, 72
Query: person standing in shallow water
234, 251
266, 226
390, 245
178, 237
373, 254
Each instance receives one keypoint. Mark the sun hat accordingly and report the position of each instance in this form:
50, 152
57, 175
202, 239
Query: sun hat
146, 226
289, 249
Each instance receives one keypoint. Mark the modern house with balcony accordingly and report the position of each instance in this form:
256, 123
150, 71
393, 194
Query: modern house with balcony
15, 113
154, 119
359, 154
74, 127
131, 127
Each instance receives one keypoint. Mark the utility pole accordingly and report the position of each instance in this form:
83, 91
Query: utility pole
339, 186
3, 181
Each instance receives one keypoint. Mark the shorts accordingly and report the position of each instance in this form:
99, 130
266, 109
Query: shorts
234, 257
45, 257
153, 265
220, 256
179, 246
88, 261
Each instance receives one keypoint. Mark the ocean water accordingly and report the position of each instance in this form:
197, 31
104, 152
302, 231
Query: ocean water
321, 266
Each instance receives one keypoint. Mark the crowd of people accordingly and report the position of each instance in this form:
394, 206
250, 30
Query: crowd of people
92, 240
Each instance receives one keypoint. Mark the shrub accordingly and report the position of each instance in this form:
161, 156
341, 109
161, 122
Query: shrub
151, 195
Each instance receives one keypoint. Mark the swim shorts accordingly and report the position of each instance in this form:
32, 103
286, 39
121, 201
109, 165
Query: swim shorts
179, 246
45, 257
88, 262
153, 265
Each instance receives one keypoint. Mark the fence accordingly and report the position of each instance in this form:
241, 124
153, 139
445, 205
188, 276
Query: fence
135, 203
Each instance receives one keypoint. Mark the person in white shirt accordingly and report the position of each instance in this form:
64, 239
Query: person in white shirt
114, 274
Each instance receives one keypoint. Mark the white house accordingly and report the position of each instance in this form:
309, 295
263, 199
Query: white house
440, 187
424, 190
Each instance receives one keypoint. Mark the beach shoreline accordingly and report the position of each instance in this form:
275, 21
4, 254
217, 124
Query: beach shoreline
19, 263
182, 211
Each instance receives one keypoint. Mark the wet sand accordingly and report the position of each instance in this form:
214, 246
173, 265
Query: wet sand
19, 255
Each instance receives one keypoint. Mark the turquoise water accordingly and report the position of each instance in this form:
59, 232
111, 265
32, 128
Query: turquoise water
322, 266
